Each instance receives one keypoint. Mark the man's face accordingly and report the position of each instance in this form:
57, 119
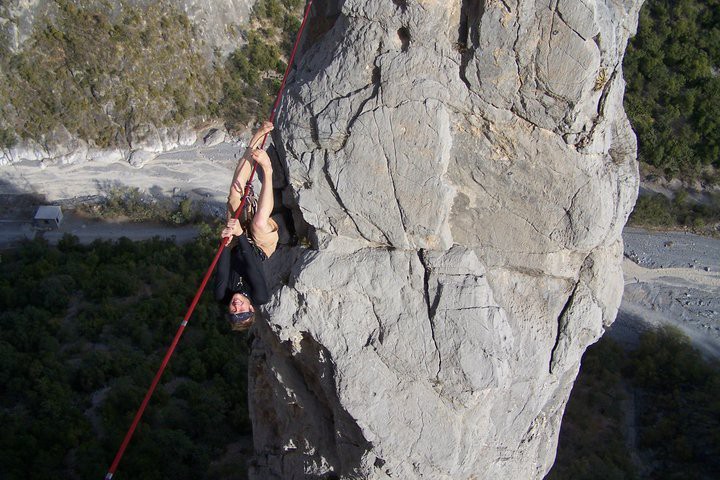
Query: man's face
240, 304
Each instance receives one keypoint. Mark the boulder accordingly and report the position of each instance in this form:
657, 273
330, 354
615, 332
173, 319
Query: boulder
148, 138
187, 136
213, 137
106, 156
79, 154
26, 150
138, 158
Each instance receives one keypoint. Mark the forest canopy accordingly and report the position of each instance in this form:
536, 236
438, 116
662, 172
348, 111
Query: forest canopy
647, 412
82, 331
672, 68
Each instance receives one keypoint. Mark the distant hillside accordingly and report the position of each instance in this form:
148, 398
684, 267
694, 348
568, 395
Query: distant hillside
114, 77
217, 27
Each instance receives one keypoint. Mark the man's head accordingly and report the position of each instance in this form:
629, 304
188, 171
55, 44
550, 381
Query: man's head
241, 313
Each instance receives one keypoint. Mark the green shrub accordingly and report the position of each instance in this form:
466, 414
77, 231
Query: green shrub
74, 373
673, 90
185, 212
7, 138
653, 210
133, 204
656, 210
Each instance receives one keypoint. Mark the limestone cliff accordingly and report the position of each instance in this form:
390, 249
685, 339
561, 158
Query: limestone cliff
463, 171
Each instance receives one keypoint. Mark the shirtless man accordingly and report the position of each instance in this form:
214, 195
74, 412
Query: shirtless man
239, 280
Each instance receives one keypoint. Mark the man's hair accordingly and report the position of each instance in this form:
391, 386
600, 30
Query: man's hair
239, 322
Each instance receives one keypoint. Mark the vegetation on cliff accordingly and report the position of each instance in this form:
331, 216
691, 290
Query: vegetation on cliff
253, 72
655, 210
146, 71
651, 412
133, 205
143, 71
84, 329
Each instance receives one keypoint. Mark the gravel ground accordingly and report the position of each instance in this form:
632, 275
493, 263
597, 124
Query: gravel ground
207, 170
671, 279
671, 249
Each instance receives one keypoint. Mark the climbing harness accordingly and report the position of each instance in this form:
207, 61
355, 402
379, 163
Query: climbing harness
247, 213
198, 294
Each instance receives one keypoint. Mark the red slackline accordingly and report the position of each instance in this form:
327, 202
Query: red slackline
198, 294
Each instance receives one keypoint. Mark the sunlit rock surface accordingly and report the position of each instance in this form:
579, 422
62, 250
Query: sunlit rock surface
462, 171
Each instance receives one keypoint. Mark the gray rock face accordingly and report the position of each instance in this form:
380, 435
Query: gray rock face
149, 143
463, 171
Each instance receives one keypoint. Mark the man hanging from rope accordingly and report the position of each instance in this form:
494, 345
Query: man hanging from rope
239, 279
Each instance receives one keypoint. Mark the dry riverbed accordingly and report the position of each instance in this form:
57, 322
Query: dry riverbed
670, 278
202, 173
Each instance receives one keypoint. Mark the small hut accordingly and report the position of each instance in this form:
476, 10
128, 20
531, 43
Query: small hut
48, 216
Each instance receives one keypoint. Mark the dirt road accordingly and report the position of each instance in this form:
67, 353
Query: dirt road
11, 232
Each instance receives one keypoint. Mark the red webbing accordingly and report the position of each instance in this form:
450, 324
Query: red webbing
198, 294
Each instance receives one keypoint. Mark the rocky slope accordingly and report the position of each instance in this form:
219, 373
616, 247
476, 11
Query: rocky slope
163, 81
463, 171
216, 21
